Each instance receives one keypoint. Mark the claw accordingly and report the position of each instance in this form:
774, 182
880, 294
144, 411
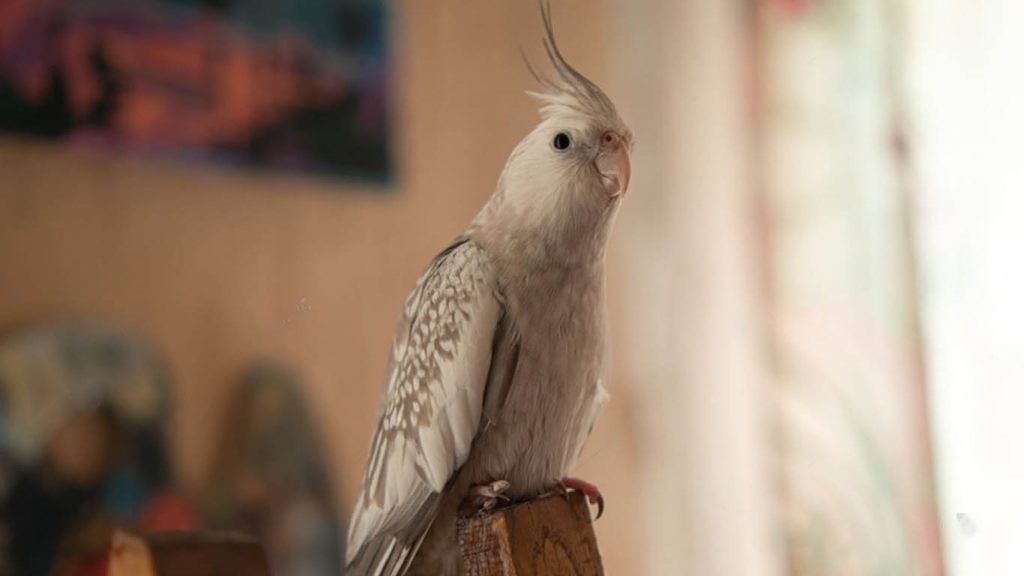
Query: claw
483, 497
587, 489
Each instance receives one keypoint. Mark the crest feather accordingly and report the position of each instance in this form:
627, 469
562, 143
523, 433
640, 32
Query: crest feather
570, 89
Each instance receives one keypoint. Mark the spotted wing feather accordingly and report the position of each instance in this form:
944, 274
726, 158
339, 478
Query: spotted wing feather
436, 383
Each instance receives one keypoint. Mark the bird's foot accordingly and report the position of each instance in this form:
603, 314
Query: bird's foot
587, 489
483, 497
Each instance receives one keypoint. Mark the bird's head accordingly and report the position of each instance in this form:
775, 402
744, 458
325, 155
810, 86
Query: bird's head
565, 179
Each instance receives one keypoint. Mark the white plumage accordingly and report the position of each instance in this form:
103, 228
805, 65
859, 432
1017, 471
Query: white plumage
498, 361
440, 362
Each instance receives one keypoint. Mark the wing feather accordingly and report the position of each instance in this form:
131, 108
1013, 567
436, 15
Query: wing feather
437, 380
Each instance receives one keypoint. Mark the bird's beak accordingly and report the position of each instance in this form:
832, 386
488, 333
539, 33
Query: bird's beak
612, 163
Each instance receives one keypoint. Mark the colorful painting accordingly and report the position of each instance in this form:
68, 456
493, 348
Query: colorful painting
298, 86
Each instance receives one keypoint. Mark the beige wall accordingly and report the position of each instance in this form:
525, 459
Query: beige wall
219, 268
691, 326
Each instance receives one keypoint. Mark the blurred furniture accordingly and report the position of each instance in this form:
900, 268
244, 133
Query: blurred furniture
269, 479
186, 554
552, 536
84, 411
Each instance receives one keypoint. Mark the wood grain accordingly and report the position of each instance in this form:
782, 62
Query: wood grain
552, 536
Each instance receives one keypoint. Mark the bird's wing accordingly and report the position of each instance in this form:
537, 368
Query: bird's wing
436, 385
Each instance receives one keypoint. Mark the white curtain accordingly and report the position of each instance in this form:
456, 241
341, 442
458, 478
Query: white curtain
854, 454
968, 99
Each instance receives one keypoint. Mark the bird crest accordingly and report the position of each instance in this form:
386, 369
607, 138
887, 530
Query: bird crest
570, 91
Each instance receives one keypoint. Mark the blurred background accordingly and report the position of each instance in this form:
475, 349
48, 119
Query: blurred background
211, 212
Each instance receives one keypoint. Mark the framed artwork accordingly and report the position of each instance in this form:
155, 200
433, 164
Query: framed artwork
275, 84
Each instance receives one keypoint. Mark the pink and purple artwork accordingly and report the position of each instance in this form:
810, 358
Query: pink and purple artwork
298, 86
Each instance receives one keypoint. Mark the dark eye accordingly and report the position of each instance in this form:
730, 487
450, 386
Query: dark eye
561, 141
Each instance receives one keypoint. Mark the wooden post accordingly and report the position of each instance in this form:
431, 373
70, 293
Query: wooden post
186, 554
552, 536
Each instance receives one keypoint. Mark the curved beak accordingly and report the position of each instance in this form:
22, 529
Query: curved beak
612, 163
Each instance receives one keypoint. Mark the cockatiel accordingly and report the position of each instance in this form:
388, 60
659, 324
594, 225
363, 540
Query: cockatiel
497, 368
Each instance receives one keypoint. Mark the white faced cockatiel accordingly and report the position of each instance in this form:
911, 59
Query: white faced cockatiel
497, 368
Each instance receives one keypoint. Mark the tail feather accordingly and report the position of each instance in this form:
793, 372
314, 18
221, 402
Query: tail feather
393, 554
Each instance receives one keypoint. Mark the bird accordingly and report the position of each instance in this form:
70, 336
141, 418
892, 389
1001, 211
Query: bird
498, 368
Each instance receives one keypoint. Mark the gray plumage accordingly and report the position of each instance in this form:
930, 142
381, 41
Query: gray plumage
499, 360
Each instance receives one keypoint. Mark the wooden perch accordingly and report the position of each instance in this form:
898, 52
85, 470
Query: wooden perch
553, 536
186, 554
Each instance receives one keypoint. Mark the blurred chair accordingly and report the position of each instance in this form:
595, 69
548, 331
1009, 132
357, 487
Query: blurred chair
269, 478
83, 415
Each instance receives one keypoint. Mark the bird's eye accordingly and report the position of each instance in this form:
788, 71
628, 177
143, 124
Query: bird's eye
561, 141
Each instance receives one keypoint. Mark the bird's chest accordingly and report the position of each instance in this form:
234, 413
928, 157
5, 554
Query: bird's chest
560, 360
551, 401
